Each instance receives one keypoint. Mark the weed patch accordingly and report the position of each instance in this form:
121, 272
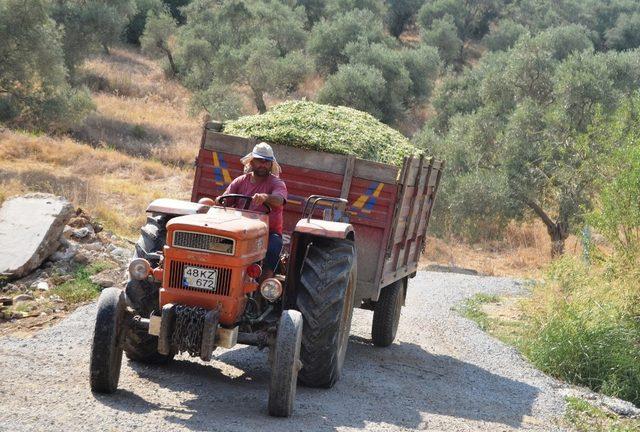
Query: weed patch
80, 288
584, 417
472, 309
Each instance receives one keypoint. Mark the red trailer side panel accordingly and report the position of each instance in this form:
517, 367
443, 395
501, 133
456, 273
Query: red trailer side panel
388, 209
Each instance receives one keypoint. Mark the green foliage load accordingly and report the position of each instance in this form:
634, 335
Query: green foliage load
325, 128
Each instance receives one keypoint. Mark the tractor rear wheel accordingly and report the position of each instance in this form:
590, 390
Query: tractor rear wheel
144, 296
325, 297
106, 349
386, 314
285, 364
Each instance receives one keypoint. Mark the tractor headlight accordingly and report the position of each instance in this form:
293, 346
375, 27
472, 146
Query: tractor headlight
271, 289
139, 269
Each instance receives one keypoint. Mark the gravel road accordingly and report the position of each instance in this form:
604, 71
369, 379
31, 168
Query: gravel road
442, 373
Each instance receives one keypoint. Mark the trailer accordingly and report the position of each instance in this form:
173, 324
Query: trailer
388, 206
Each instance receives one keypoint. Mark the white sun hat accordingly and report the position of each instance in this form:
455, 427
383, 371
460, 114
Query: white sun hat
262, 151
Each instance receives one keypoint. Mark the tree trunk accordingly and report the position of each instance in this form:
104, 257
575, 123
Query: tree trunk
558, 230
558, 233
172, 64
259, 100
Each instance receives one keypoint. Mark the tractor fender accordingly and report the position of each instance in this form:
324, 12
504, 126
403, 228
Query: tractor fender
304, 233
323, 228
176, 207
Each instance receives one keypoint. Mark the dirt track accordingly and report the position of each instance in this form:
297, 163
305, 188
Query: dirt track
441, 374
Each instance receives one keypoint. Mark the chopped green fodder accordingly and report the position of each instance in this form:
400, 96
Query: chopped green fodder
326, 128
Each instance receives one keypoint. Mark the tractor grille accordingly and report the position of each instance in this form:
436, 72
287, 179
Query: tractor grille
203, 242
176, 271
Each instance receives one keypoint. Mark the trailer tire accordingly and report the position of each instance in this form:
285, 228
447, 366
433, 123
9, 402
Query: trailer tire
106, 347
325, 298
143, 295
386, 314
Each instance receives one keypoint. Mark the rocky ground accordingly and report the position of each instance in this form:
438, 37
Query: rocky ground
442, 373
47, 294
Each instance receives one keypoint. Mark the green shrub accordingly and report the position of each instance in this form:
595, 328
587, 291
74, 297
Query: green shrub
583, 328
325, 128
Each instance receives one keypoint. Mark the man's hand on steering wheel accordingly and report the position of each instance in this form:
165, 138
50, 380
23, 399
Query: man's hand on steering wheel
260, 198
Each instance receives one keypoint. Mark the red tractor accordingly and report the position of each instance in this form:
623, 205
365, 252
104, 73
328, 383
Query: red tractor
193, 280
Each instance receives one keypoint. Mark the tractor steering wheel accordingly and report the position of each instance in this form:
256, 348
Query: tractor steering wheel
247, 201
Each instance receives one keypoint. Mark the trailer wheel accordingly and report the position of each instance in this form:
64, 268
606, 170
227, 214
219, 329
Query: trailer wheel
325, 298
106, 349
143, 296
285, 364
386, 314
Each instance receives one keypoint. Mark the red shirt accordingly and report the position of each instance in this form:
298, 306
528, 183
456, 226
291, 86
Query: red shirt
272, 185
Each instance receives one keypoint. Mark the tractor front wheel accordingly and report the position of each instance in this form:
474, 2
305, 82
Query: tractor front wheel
106, 349
285, 364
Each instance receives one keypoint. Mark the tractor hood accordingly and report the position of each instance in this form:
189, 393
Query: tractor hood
228, 222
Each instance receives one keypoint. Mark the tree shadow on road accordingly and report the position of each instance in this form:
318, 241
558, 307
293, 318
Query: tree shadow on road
402, 385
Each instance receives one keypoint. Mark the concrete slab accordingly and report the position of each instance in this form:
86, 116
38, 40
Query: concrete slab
30, 230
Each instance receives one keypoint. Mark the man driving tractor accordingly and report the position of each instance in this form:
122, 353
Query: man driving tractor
262, 182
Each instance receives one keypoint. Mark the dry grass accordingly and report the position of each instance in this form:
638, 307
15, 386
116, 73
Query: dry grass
139, 111
138, 145
112, 186
525, 251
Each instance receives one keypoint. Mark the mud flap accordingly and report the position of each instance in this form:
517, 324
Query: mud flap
209, 334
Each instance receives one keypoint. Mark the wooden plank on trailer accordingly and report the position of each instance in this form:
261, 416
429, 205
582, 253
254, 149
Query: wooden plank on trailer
375, 171
348, 176
409, 162
413, 167
304, 158
417, 202
423, 194
438, 175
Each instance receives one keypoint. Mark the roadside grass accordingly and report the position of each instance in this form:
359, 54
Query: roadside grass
584, 417
80, 288
582, 325
472, 309
498, 316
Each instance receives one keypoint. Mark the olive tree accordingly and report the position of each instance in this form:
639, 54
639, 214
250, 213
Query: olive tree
34, 91
158, 36
517, 117
329, 38
236, 44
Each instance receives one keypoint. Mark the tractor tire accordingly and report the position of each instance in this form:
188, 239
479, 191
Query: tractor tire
285, 364
144, 296
106, 349
142, 347
386, 314
325, 298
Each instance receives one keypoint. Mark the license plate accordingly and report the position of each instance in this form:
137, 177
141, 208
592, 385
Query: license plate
197, 277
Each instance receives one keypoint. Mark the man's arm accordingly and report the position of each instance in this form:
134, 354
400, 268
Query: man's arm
270, 200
